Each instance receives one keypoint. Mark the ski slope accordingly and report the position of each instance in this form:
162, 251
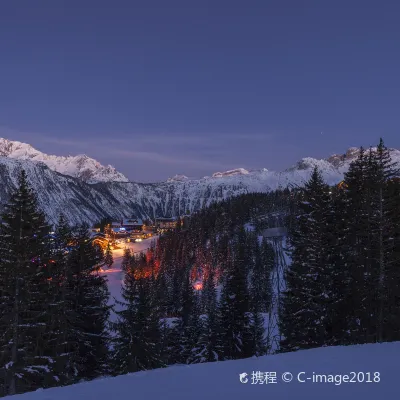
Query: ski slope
115, 275
219, 381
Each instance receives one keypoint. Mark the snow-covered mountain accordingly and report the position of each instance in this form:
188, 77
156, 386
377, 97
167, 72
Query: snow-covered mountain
80, 166
178, 178
366, 372
83, 201
233, 172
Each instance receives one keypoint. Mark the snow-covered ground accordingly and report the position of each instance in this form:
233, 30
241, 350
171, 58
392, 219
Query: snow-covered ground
221, 381
115, 275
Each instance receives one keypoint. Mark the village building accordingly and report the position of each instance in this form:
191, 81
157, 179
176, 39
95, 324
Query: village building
132, 224
166, 223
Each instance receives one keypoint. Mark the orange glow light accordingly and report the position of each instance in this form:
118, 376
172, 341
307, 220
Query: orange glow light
198, 286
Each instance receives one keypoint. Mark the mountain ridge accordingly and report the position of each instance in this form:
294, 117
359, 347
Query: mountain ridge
80, 166
92, 171
81, 200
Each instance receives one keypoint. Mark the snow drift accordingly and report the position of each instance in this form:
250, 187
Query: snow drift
221, 380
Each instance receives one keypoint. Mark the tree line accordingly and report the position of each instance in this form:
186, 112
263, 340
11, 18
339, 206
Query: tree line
207, 284
55, 326
343, 285
202, 292
198, 304
53, 301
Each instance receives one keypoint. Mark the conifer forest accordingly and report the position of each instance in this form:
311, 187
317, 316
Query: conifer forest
208, 290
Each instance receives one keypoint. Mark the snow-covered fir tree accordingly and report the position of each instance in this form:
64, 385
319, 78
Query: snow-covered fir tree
260, 299
306, 301
235, 334
91, 312
384, 171
126, 260
186, 320
24, 318
137, 342
63, 341
209, 345
108, 256
192, 333
371, 215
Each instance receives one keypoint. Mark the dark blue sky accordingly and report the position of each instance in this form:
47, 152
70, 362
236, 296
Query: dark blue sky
163, 87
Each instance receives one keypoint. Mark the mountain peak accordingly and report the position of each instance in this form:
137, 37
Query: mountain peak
232, 172
80, 166
338, 159
178, 178
342, 160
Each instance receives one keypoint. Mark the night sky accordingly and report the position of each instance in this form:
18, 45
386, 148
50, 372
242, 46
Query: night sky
158, 88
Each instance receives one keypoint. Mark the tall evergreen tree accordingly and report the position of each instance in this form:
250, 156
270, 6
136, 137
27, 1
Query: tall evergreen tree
234, 305
383, 172
337, 327
62, 340
306, 302
90, 309
192, 332
180, 335
24, 254
357, 253
208, 348
138, 336
260, 293
264, 264
391, 322
369, 212
108, 256
126, 260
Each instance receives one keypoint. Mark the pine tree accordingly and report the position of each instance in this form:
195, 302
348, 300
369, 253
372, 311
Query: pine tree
136, 346
391, 323
234, 305
108, 257
356, 247
306, 302
126, 260
208, 347
260, 293
24, 254
264, 264
369, 211
337, 323
90, 308
383, 172
180, 340
62, 340
162, 301
193, 332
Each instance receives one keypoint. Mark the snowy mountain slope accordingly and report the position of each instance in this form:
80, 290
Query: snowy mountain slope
57, 193
178, 178
85, 202
221, 380
80, 166
233, 172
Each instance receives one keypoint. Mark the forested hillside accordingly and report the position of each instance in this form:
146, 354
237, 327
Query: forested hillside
205, 291
210, 279
342, 286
